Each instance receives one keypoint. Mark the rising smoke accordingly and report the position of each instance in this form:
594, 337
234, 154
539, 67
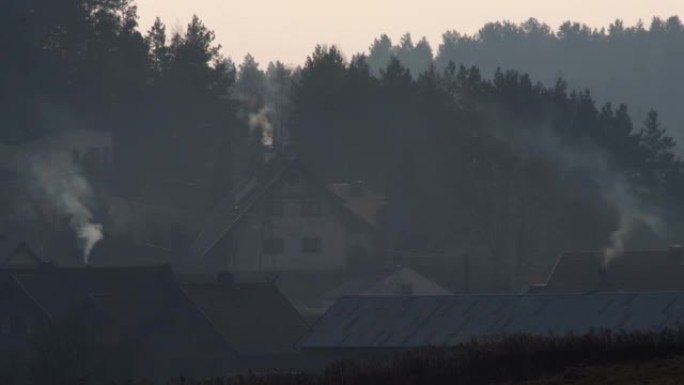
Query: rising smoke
261, 123
633, 213
57, 181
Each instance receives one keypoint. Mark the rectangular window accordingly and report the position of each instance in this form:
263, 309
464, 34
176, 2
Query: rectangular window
312, 245
274, 245
311, 208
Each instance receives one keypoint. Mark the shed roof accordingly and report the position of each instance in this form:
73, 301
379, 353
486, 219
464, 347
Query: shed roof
405, 322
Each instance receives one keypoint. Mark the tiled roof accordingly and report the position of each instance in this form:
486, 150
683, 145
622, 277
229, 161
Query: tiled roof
365, 204
579, 272
404, 322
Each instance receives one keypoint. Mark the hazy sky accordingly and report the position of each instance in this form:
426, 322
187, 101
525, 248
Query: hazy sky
288, 30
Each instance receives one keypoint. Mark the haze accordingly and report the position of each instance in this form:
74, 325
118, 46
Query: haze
288, 30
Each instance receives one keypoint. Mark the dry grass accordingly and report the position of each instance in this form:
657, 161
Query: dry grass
521, 359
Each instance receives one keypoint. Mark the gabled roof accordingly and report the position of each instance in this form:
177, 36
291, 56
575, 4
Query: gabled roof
580, 272
18, 254
254, 317
407, 322
360, 200
369, 284
232, 208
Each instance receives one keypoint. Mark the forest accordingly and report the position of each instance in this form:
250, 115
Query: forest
497, 140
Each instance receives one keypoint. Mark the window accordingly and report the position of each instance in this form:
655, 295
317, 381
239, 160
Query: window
405, 289
274, 208
311, 208
274, 245
312, 245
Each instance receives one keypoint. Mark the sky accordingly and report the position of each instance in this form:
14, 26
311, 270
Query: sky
288, 30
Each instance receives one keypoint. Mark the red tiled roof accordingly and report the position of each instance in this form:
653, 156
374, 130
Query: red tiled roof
633, 271
366, 205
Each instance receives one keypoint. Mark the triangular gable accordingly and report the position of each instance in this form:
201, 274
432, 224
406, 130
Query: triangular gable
232, 209
21, 257
419, 284
387, 283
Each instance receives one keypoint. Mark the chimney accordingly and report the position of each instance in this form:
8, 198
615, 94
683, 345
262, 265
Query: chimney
225, 278
356, 189
675, 253
603, 273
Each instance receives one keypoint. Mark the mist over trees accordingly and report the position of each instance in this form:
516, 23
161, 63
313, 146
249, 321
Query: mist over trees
523, 168
637, 65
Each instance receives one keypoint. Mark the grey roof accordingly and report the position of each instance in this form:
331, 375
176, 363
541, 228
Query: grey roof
254, 317
402, 322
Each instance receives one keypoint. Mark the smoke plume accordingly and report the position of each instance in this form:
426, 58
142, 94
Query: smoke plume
58, 182
261, 122
631, 215
633, 212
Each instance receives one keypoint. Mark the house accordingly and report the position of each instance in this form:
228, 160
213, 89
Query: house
92, 150
399, 281
140, 310
633, 271
284, 220
364, 327
140, 322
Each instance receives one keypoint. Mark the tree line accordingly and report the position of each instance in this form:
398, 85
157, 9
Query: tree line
523, 168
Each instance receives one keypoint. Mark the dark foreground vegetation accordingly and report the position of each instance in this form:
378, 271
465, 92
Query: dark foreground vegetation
593, 358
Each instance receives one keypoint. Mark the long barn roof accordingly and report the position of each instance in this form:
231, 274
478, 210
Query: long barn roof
404, 322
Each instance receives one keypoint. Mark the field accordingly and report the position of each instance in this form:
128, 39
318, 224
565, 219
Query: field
596, 358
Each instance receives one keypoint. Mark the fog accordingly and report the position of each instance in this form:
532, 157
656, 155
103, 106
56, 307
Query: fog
173, 207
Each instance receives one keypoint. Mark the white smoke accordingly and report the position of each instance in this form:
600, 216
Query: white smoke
634, 214
631, 217
260, 121
59, 182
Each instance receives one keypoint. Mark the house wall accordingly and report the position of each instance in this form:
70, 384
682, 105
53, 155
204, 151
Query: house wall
290, 225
